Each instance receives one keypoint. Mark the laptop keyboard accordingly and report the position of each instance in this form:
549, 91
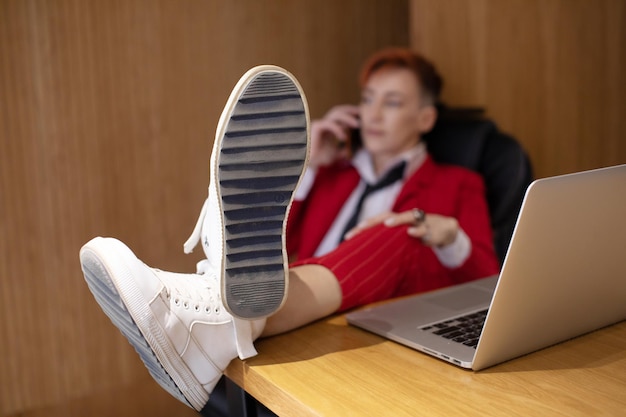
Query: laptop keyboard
465, 329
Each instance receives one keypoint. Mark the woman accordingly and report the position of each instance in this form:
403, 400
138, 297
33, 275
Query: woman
448, 239
382, 222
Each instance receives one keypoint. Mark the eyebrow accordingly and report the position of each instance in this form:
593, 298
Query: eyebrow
393, 94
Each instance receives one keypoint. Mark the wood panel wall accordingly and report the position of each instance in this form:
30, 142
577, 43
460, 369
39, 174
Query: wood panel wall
552, 72
108, 108
107, 114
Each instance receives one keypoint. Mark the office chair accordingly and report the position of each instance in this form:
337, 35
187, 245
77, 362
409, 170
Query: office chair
465, 137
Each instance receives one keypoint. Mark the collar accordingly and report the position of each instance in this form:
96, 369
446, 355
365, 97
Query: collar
414, 158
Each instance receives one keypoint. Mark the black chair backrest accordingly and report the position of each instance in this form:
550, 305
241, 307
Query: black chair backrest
466, 138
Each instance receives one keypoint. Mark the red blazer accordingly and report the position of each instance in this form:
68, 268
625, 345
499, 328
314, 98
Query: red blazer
442, 189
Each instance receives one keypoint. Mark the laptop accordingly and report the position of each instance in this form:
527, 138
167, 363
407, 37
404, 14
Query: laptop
564, 275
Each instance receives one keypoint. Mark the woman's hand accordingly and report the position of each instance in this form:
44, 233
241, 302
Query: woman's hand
433, 229
330, 136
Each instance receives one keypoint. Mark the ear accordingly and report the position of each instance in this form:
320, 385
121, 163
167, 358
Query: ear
426, 118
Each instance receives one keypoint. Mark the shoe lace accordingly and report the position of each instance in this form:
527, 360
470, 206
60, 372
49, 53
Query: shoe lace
195, 292
193, 240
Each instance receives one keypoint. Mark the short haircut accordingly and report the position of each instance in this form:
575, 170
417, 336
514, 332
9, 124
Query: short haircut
428, 78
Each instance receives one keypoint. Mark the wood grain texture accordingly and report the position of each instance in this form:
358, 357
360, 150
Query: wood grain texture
107, 116
551, 72
332, 369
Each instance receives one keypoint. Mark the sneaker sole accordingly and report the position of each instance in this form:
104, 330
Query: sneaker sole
261, 152
113, 295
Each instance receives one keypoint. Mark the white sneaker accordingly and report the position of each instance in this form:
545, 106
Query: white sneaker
259, 156
175, 322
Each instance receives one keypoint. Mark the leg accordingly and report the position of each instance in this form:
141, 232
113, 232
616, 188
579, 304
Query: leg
176, 321
367, 268
259, 154
187, 327
314, 292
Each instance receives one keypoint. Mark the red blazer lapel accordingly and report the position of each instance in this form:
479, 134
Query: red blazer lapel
332, 188
412, 191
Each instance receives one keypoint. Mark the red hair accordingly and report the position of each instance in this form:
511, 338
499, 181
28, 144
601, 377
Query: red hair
429, 79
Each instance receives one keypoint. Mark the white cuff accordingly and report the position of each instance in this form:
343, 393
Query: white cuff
457, 252
306, 183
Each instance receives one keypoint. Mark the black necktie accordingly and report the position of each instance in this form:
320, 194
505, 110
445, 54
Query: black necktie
392, 176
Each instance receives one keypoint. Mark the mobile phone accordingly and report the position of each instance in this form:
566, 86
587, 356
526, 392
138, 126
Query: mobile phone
355, 140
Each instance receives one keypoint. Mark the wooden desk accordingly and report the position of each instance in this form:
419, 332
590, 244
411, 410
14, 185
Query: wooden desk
332, 369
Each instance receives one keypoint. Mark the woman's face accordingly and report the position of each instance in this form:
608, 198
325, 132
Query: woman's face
390, 111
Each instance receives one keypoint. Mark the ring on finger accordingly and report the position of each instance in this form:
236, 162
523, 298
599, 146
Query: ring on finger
418, 216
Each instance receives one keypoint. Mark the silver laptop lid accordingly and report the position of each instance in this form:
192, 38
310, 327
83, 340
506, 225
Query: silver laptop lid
565, 271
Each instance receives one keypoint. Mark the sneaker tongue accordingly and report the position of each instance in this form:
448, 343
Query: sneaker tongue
204, 267
212, 230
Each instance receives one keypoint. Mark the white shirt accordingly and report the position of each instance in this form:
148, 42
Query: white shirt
380, 201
